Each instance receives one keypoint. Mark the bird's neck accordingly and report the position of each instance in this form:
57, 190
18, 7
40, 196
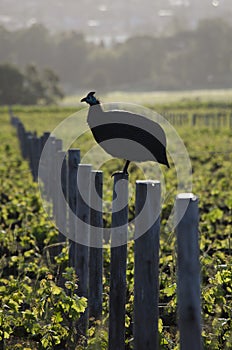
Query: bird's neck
94, 111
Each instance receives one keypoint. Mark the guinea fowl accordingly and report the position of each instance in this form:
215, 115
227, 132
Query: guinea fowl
126, 135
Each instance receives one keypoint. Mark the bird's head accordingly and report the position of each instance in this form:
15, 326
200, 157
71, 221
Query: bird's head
90, 99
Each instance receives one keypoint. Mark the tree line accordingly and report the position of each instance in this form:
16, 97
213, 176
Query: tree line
28, 87
190, 59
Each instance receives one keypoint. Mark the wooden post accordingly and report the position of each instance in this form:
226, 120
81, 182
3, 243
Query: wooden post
37, 147
188, 276
43, 173
33, 161
48, 166
44, 138
83, 229
26, 144
57, 146
21, 136
119, 234
52, 172
51, 166
82, 235
73, 161
61, 208
146, 287
61, 216
96, 248
29, 154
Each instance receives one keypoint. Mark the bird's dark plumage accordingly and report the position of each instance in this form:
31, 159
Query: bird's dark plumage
126, 135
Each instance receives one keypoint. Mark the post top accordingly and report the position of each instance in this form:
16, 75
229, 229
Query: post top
97, 172
120, 175
85, 165
148, 182
74, 150
186, 196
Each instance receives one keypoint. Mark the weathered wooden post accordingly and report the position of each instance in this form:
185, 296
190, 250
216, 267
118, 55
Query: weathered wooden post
36, 151
30, 151
61, 208
56, 147
44, 138
52, 170
43, 165
83, 229
78, 224
96, 246
51, 142
47, 166
188, 275
82, 235
62, 205
73, 161
21, 136
24, 149
119, 234
146, 279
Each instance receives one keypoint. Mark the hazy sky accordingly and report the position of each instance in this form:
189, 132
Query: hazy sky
112, 17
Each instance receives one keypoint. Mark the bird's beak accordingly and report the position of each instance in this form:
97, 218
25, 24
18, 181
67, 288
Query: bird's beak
83, 99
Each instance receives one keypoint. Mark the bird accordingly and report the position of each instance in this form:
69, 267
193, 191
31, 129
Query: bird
122, 134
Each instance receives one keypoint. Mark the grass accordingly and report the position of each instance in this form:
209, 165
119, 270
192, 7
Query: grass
157, 98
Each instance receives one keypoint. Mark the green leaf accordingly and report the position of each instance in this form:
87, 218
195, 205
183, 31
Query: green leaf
57, 318
6, 335
170, 290
160, 326
56, 290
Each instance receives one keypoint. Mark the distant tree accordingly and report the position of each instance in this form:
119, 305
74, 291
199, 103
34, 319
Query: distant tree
42, 88
199, 58
33, 45
30, 87
52, 88
34, 90
5, 44
71, 55
11, 84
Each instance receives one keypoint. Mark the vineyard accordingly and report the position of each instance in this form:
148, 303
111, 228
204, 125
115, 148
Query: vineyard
39, 306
